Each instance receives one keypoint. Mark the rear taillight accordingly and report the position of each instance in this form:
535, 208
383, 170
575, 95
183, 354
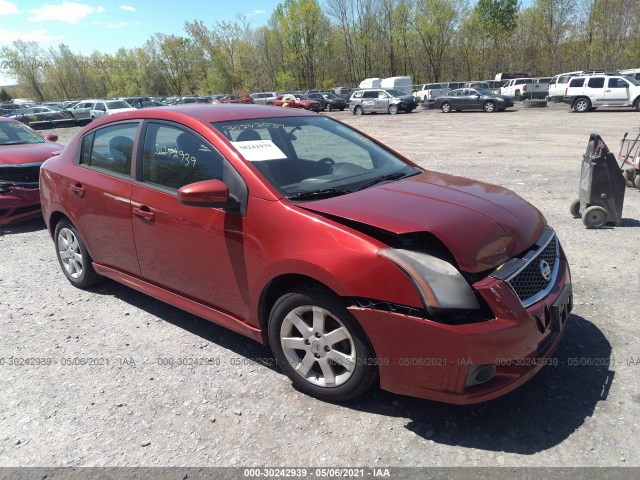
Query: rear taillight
524, 87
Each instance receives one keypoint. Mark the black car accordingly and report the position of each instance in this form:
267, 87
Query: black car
473, 99
328, 101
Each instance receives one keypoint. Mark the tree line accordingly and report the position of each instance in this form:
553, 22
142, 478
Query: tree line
313, 44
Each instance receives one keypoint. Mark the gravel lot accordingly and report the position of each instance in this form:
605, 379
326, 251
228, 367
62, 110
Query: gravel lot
134, 408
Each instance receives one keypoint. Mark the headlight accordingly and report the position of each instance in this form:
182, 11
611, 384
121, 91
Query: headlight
440, 285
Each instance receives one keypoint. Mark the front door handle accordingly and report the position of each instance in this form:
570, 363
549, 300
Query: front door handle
77, 189
144, 213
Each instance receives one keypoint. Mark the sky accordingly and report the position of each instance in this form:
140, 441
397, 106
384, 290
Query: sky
86, 26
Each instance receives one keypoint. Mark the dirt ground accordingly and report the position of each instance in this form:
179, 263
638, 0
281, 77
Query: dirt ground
138, 406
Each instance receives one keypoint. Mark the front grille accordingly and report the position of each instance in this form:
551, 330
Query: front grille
20, 174
533, 274
530, 281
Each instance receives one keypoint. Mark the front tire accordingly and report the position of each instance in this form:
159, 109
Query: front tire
445, 107
320, 346
73, 257
489, 107
582, 105
393, 109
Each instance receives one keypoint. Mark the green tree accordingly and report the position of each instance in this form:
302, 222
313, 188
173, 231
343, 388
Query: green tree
306, 35
26, 61
497, 18
435, 22
4, 96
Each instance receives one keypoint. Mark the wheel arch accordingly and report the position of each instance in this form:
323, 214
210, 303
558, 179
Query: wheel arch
282, 284
55, 218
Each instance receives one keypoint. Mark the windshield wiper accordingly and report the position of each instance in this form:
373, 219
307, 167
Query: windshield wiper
384, 178
326, 192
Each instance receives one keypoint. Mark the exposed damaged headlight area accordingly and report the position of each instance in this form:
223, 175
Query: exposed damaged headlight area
22, 175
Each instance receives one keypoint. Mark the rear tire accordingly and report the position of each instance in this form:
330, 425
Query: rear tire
636, 182
637, 104
594, 217
358, 110
320, 346
73, 257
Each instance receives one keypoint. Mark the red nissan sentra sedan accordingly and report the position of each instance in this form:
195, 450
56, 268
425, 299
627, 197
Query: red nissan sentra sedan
351, 262
22, 151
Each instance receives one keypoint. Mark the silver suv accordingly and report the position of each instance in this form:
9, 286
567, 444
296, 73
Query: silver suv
380, 100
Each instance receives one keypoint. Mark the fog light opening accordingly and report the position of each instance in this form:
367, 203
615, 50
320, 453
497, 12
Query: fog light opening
479, 374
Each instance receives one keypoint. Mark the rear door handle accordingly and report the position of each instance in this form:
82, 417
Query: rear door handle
144, 213
77, 189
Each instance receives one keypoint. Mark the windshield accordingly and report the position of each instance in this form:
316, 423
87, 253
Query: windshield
14, 133
309, 157
396, 93
484, 91
330, 96
117, 104
632, 80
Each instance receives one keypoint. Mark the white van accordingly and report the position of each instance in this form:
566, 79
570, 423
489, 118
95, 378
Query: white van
370, 83
633, 73
402, 84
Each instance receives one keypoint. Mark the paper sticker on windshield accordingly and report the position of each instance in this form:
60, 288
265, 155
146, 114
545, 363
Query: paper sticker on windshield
256, 150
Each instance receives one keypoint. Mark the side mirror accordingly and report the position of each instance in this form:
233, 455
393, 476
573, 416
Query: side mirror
51, 137
207, 193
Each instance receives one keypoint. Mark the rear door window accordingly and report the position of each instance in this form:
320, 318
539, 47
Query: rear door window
110, 148
596, 82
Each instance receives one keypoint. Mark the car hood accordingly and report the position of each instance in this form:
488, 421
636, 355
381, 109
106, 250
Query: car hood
481, 224
27, 153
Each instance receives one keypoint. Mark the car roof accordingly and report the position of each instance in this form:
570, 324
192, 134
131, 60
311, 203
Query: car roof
206, 112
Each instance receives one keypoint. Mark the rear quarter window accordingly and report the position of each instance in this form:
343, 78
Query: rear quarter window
577, 82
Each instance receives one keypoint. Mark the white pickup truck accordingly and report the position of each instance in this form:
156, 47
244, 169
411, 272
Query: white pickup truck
430, 91
526, 88
515, 87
